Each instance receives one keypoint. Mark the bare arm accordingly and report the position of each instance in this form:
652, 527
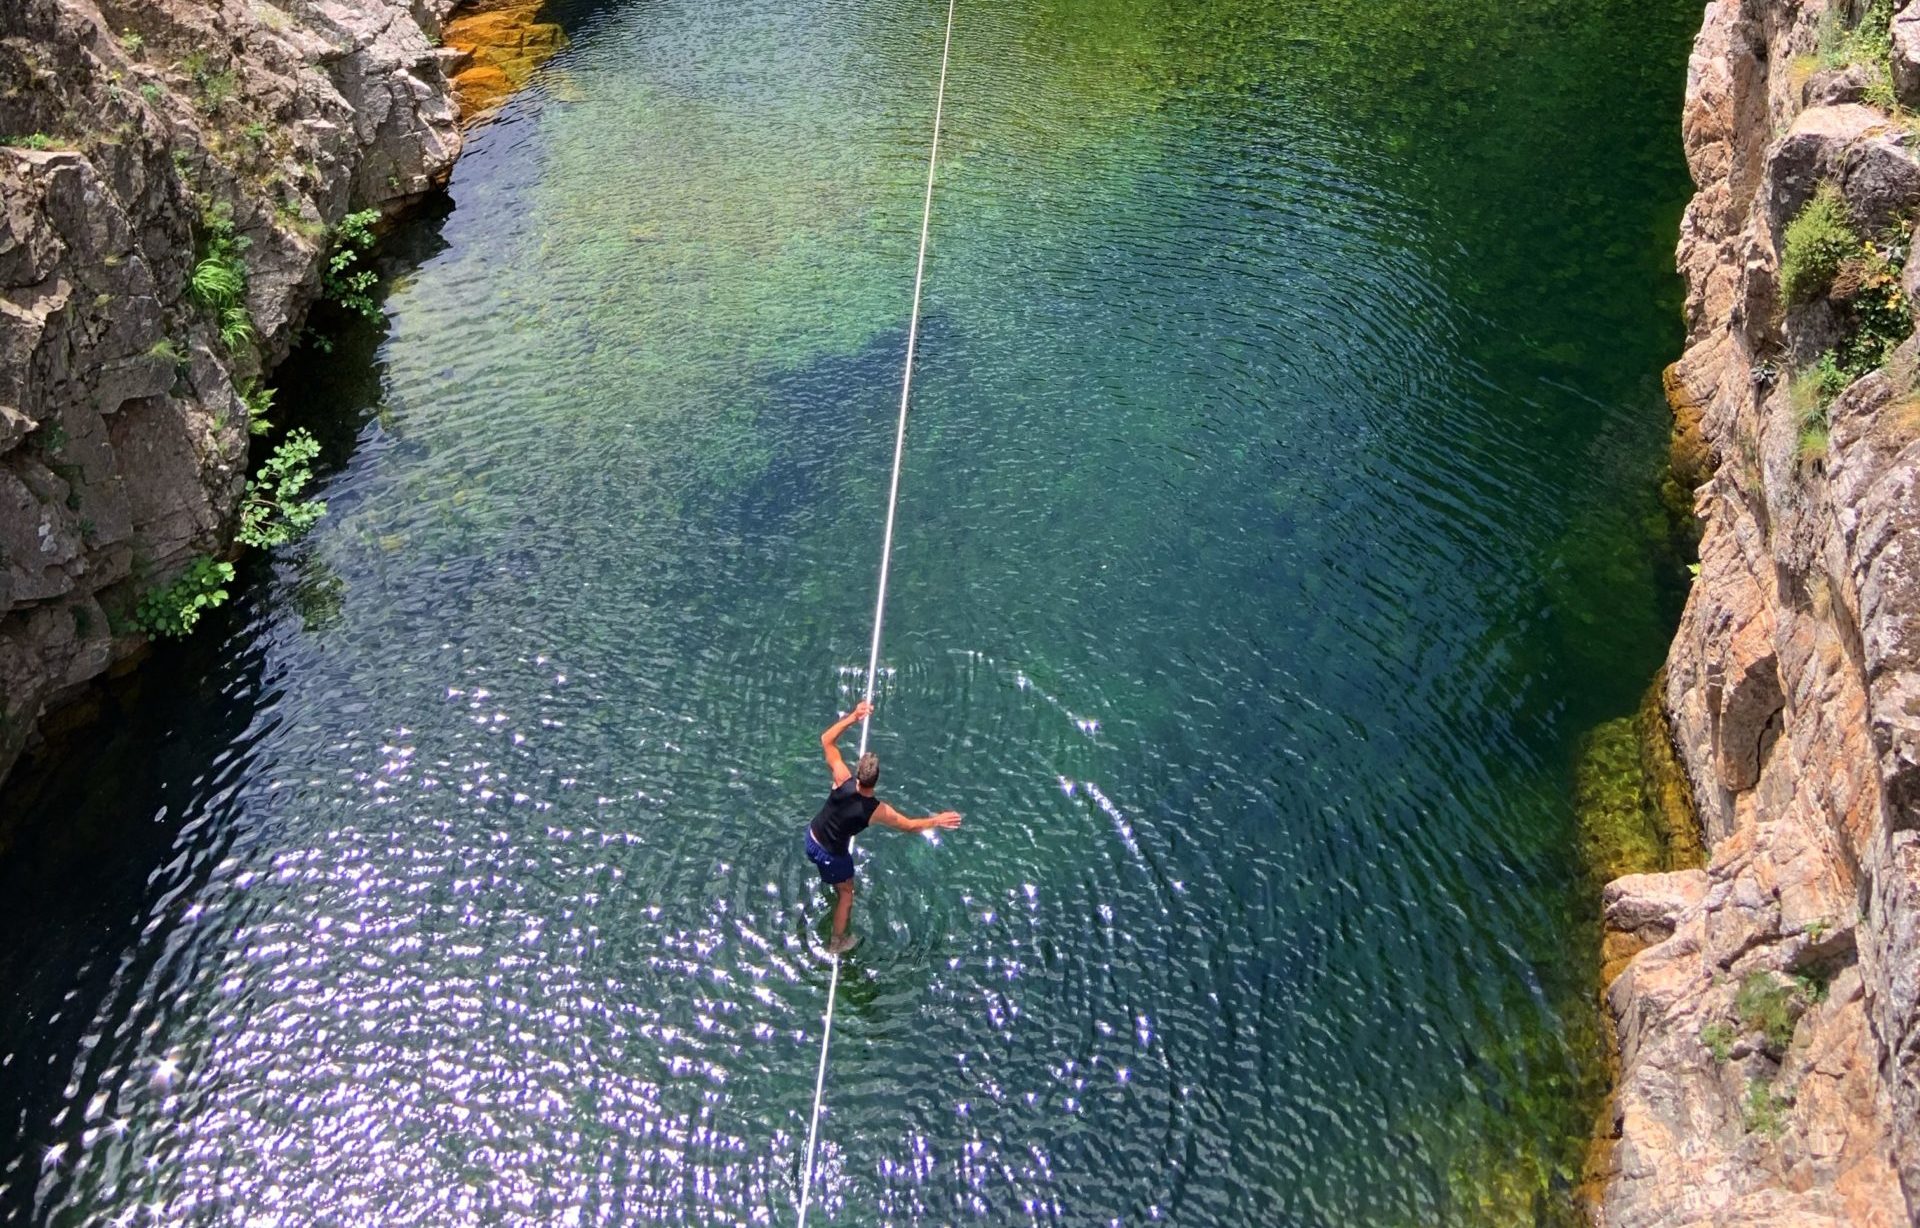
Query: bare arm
899, 822
830, 741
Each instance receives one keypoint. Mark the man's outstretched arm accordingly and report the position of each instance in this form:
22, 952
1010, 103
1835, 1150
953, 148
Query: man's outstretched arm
830, 741
893, 818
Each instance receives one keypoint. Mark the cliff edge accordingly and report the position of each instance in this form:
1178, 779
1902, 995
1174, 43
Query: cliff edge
1769, 1023
139, 136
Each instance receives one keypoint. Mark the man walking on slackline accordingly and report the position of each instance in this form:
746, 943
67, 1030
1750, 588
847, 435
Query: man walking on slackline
848, 810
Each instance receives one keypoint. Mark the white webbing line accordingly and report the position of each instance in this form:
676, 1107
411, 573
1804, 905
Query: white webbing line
886, 560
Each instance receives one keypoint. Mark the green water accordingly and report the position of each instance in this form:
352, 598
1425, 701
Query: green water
1279, 511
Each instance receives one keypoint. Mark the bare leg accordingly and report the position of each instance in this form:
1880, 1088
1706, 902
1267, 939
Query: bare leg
842, 911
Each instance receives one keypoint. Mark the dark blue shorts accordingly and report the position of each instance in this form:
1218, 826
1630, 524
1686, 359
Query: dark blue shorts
834, 868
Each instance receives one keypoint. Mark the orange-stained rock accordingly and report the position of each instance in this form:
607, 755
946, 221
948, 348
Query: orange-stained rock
1689, 457
501, 44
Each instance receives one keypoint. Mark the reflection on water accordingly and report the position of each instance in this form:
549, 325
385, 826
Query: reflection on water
1278, 513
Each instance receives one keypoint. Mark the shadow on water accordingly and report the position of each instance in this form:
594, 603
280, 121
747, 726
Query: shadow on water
810, 409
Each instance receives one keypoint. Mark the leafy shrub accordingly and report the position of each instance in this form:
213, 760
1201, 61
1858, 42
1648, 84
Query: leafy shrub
132, 42
1868, 41
1877, 313
174, 610
1820, 238
216, 88
1865, 284
37, 140
273, 513
348, 281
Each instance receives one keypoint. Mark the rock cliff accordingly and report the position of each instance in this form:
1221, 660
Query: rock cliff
1769, 1024
135, 130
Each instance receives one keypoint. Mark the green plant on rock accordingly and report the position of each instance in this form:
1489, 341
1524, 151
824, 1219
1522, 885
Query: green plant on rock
1769, 1007
259, 403
1815, 437
1819, 240
1868, 41
1810, 395
36, 140
218, 282
216, 88
175, 610
1811, 986
1875, 309
348, 281
131, 42
273, 513
1765, 1110
1862, 279
1718, 1037
1814, 388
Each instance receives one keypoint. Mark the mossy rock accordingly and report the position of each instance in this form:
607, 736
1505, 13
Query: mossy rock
1632, 800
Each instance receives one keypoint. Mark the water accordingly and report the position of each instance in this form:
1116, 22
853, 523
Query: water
1279, 510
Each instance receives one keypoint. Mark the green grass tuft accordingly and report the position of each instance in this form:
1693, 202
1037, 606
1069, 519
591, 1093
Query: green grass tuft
1819, 240
1769, 1007
1764, 1112
218, 283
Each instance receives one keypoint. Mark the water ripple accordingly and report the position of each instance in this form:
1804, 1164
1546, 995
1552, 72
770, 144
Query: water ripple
458, 878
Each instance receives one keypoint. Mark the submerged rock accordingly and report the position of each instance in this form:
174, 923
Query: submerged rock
497, 46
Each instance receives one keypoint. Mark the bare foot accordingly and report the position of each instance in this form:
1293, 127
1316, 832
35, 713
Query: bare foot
843, 944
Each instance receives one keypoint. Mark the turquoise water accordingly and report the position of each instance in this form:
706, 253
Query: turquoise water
1279, 510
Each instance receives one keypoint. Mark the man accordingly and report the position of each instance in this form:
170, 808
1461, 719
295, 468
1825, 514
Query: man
849, 808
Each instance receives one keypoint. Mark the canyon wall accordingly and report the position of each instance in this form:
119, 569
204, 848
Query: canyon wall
136, 131
1768, 1021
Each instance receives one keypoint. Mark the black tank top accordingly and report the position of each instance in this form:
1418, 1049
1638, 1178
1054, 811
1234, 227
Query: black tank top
845, 816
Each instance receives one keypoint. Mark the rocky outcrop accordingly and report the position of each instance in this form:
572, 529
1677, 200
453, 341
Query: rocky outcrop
1769, 1026
136, 129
